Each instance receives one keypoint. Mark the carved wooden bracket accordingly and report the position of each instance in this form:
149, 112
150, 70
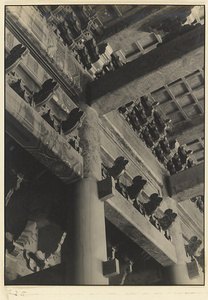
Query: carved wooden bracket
17, 53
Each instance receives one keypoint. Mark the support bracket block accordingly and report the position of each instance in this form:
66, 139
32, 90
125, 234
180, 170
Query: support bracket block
111, 268
106, 188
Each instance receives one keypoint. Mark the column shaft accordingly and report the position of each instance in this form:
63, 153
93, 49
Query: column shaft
86, 227
178, 273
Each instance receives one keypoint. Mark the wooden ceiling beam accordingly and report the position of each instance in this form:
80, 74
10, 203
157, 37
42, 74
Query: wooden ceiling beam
161, 66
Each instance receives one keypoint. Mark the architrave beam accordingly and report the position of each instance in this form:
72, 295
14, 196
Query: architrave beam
187, 184
34, 134
126, 218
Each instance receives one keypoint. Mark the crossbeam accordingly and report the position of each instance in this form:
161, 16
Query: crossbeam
32, 132
124, 216
161, 66
136, 21
33, 32
187, 184
188, 130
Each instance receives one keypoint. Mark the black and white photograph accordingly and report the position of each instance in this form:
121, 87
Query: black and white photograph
104, 145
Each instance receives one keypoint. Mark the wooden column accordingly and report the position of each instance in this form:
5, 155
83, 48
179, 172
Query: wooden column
87, 239
177, 273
